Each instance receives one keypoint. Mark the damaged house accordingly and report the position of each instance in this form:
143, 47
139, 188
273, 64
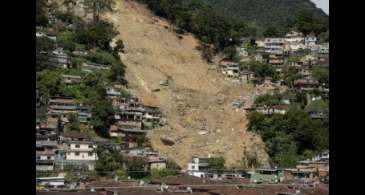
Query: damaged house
230, 69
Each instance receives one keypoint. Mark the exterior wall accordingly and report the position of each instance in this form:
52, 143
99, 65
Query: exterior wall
53, 183
276, 111
82, 155
116, 134
44, 157
158, 165
82, 147
44, 167
196, 174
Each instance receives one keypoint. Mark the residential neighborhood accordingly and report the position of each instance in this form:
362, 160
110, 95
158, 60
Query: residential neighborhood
185, 100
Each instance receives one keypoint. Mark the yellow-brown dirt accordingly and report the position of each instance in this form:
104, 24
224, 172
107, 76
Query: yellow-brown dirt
197, 103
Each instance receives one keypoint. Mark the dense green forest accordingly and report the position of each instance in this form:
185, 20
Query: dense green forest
264, 14
293, 136
216, 30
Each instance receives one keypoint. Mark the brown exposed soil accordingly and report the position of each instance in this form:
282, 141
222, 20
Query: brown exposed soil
197, 102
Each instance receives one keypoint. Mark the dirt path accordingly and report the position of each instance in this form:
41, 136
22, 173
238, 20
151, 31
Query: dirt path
197, 103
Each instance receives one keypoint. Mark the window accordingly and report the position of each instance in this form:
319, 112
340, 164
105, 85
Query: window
77, 146
38, 158
90, 146
48, 158
90, 154
77, 153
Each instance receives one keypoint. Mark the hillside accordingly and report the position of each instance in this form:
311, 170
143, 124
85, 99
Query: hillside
197, 103
267, 12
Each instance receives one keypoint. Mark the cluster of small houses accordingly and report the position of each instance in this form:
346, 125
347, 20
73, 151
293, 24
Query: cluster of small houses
278, 51
60, 58
310, 173
57, 149
315, 169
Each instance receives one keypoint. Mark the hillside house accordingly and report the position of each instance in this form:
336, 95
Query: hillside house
318, 169
71, 79
294, 47
129, 134
111, 91
323, 59
151, 116
258, 57
308, 60
247, 76
266, 175
230, 69
58, 58
310, 41
274, 45
45, 155
306, 84
80, 53
44, 133
276, 59
322, 156
129, 119
90, 67
53, 182
324, 48
77, 151
52, 121
154, 161
294, 37
276, 109
84, 114
280, 109
316, 115
62, 105
197, 166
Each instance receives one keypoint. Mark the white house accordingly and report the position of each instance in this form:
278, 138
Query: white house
324, 48
294, 37
324, 155
58, 58
51, 181
112, 91
197, 166
231, 69
77, 150
274, 45
81, 150
310, 41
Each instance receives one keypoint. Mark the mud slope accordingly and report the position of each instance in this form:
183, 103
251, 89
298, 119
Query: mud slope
197, 103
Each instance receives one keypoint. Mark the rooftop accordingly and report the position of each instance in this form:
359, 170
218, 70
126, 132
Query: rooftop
75, 134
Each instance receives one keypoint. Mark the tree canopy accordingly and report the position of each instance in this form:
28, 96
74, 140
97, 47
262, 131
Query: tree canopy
290, 135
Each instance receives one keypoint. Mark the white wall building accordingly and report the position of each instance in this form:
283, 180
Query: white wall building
196, 167
310, 41
294, 37
274, 45
81, 150
78, 151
